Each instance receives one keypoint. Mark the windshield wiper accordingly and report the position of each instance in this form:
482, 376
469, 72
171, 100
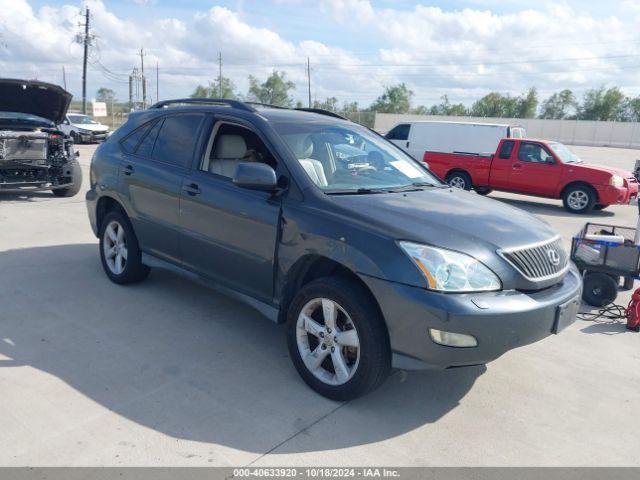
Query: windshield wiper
358, 191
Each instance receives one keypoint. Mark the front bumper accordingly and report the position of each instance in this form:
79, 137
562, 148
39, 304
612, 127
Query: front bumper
609, 195
500, 321
93, 137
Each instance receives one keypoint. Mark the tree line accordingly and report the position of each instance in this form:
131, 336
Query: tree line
599, 103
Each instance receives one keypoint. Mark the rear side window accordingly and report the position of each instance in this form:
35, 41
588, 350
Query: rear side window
177, 139
130, 143
507, 149
399, 132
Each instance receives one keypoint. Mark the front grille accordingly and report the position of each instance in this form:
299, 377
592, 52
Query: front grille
541, 261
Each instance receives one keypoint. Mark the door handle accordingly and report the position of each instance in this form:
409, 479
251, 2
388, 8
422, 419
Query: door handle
516, 166
192, 189
408, 144
128, 170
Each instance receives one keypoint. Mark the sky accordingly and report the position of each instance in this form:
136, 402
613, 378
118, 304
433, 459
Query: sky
462, 49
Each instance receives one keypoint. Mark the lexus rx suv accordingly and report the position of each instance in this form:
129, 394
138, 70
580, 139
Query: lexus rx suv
321, 223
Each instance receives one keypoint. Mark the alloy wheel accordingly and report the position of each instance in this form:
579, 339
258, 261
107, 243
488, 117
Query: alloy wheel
115, 247
578, 200
458, 182
328, 341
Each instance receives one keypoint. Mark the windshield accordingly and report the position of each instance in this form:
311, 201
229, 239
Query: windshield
81, 119
343, 158
23, 119
564, 154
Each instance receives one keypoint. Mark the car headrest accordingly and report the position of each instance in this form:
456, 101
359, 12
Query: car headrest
230, 147
302, 146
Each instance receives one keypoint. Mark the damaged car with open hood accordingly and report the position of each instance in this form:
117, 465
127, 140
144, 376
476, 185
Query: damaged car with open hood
34, 153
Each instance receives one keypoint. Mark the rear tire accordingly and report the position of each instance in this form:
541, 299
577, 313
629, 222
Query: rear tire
351, 358
119, 250
76, 180
600, 207
460, 180
599, 290
579, 199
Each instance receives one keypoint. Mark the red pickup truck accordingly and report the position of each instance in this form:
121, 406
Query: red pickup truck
537, 167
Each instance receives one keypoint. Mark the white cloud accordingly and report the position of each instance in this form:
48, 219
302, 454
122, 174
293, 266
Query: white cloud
463, 53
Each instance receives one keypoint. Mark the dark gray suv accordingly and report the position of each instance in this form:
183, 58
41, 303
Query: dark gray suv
321, 223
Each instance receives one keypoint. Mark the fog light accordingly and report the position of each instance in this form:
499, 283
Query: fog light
450, 339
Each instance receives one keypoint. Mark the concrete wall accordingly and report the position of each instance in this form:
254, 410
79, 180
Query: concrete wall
572, 132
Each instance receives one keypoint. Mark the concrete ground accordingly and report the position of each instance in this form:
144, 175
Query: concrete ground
170, 373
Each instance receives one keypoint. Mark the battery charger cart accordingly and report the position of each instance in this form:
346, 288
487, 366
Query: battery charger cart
608, 255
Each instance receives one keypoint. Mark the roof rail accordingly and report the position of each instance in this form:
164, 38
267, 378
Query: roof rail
204, 101
322, 111
269, 105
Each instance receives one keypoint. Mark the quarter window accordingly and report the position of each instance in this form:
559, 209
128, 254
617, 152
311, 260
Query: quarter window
506, 150
145, 149
177, 139
130, 143
399, 132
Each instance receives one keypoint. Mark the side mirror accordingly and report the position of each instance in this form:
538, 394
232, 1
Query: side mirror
256, 176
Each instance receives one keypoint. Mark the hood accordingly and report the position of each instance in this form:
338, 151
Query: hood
92, 127
448, 218
602, 169
34, 98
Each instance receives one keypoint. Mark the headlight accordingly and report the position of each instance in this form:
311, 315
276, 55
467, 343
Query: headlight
616, 181
449, 271
84, 132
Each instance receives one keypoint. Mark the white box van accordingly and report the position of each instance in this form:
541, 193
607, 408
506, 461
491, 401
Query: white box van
451, 137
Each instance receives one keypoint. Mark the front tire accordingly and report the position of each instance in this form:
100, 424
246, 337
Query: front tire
337, 339
76, 181
460, 180
119, 250
579, 199
483, 191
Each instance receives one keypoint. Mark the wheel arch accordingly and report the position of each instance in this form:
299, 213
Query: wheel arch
456, 170
105, 205
311, 267
579, 183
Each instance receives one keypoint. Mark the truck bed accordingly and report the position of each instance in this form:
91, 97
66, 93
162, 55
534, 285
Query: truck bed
478, 166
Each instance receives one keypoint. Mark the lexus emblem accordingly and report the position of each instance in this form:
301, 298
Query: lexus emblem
553, 257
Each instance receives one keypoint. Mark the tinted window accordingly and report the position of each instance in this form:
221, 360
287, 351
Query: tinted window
145, 148
131, 141
399, 132
505, 151
533, 152
177, 139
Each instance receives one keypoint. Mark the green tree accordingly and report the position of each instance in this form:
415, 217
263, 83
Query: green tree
632, 110
330, 104
395, 99
274, 90
527, 104
105, 95
559, 105
445, 107
602, 104
212, 90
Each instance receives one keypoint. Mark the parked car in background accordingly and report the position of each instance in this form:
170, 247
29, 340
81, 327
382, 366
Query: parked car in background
537, 167
321, 223
34, 153
452, 137
84, 129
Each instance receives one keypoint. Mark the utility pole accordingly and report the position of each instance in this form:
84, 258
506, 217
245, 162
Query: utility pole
309, 79
157, 82
86, 41
220, 74
131, 92
144, 80
64, 78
